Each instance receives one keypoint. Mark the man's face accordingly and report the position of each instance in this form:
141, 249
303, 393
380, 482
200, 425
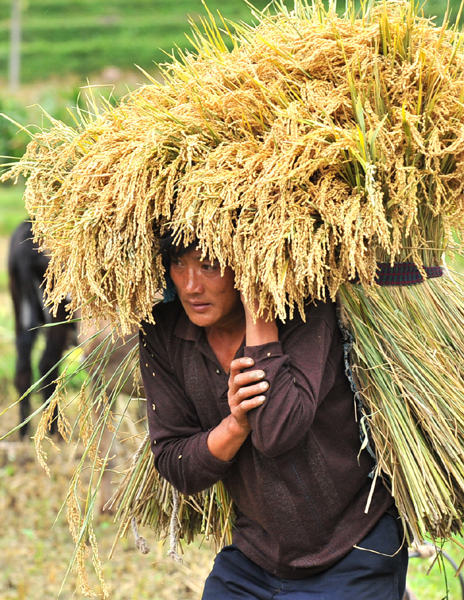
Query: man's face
208, 299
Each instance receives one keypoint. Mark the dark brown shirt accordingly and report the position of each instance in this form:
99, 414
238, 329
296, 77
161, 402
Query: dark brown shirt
299, 482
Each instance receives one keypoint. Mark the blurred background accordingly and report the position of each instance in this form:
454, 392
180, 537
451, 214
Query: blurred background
50, 50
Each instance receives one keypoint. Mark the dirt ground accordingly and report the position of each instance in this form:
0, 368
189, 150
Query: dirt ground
36, 547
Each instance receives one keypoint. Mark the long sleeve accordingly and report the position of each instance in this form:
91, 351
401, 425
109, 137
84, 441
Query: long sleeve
299, 373
178, 441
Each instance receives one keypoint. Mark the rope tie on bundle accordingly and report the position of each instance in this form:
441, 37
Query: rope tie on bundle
140, 542
174, 529
406, 273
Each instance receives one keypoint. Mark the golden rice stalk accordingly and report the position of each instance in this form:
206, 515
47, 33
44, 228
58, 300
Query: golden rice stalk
147, 498
408, 357
296, 158
83, 534
96, 413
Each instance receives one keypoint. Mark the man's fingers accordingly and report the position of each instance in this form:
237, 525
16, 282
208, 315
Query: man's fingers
252, 390
246, 389
249, 391
238, 364
249, 377
236, 368
247, 405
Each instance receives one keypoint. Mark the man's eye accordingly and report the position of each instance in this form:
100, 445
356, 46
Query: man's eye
209, 266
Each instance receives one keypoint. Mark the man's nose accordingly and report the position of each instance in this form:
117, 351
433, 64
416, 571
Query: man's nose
193, 284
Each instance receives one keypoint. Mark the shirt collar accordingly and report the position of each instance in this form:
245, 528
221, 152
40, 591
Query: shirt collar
187, 330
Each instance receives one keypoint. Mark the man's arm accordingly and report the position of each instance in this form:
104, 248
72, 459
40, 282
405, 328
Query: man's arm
259, 330
276, 396
246, 391
178, 441
298, 370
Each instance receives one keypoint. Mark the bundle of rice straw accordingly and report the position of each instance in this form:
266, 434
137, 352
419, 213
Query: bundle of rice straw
321, 156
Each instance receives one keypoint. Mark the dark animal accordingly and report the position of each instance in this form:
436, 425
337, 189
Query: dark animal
26, 270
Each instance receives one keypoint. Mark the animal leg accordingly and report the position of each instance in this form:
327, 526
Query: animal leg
57, 337
23, 375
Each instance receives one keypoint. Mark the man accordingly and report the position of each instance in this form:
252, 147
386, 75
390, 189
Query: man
265, 407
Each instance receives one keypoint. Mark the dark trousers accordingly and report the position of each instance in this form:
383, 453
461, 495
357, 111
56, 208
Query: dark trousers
370, 574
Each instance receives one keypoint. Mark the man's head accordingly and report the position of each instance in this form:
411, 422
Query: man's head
209, 298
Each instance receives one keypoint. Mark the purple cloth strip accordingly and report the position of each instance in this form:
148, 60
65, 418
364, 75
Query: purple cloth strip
402, 274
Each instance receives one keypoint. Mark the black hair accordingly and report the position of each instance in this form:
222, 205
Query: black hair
169, 249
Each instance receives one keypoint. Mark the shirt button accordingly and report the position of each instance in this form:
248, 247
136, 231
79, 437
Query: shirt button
218, 371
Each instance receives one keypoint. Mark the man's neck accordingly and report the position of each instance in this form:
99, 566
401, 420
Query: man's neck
225, 341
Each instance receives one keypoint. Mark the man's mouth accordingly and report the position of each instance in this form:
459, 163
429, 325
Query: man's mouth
199, 306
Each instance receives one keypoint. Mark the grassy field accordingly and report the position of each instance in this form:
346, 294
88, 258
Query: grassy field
61, 37
36, 547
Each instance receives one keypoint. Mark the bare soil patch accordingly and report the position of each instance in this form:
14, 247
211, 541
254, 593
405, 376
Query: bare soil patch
36, 547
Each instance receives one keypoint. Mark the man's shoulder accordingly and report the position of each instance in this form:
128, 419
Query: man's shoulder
165, 316
325, 310
321, 309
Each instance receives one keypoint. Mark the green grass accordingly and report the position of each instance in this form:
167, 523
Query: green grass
7, 354
61, 37
12, 210
441, 583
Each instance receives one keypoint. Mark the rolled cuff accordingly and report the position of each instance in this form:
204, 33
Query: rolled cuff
207, 463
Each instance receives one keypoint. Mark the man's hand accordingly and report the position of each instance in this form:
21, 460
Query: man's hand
246, 391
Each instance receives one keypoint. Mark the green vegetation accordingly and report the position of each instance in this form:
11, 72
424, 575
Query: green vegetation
84, 36
441, 583
73, 40
7, 356
12, 212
